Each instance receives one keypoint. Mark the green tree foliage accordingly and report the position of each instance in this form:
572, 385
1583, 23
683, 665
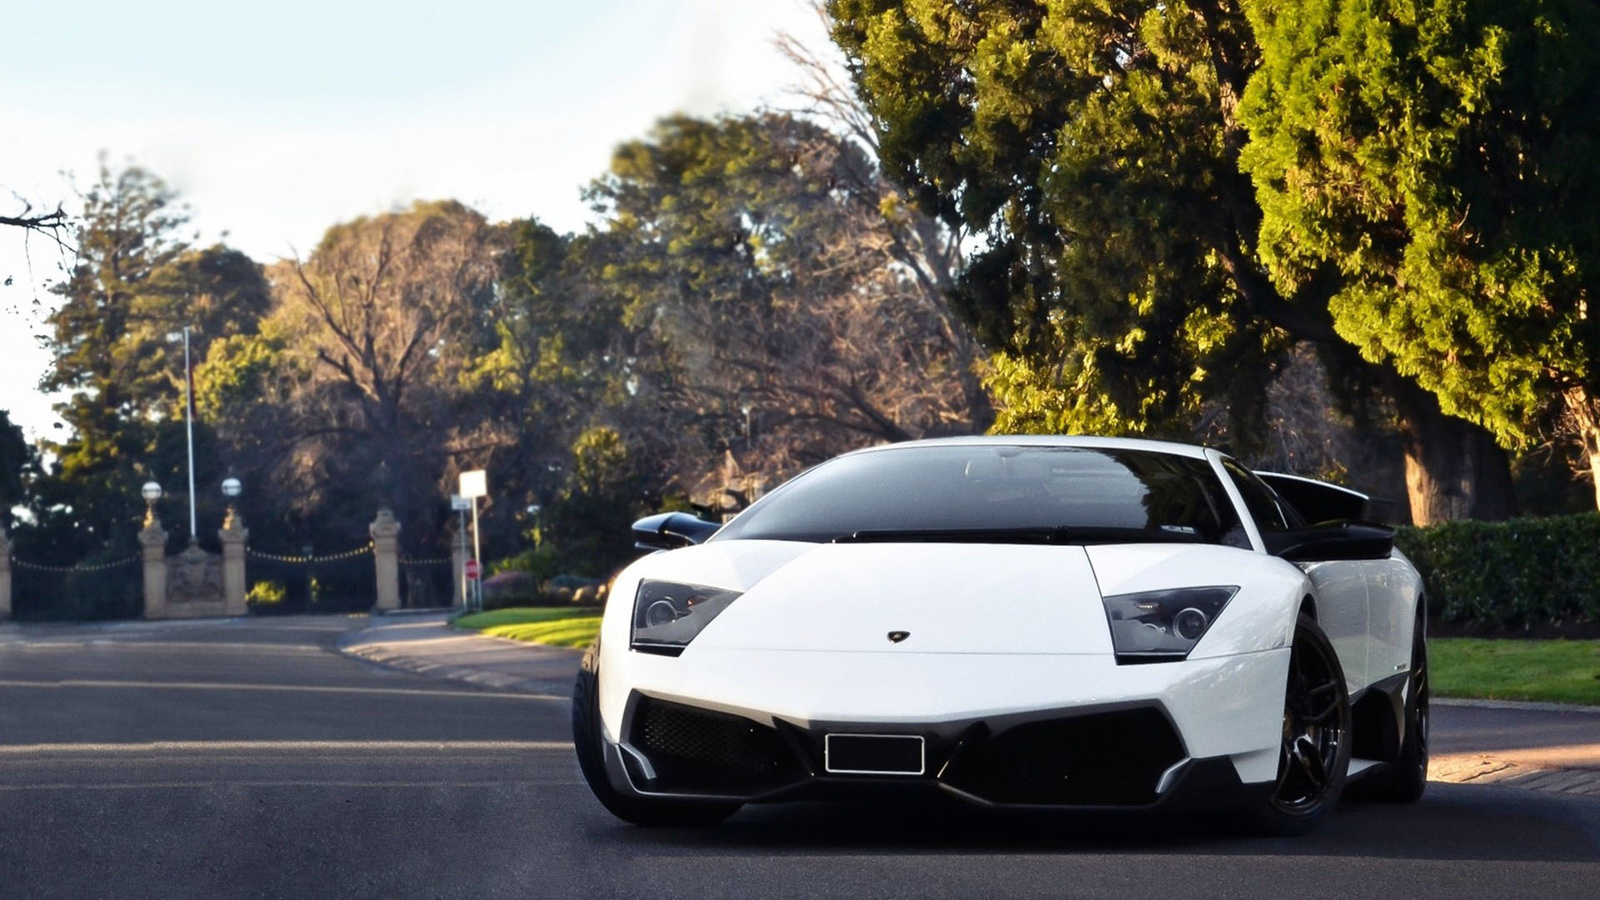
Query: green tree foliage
217, 292
604, 493
1092, 149
129, 231
1442, 157
560, 360
16, 460
1091, 145
784, 288
118, 355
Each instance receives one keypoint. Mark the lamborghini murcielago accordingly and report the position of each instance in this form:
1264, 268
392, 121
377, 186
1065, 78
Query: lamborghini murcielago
1055, 622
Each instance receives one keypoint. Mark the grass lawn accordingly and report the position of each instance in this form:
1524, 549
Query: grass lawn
558, 626
1554, 671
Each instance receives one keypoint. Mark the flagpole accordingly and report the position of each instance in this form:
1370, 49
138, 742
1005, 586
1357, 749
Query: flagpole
188, 419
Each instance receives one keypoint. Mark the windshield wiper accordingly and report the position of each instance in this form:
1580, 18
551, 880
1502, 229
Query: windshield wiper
1062, 534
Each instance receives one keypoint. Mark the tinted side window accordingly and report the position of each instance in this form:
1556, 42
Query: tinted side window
1258, 498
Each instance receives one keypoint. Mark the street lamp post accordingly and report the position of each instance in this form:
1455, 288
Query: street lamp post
235, 585
151, 493
232, 487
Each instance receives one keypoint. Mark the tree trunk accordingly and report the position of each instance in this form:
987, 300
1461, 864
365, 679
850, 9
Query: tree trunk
1592, 445
1583, 411
1454, 469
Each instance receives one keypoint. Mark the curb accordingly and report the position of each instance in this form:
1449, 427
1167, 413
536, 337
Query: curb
1530, 705
1484, 769
380, 655
414, 611
386, 655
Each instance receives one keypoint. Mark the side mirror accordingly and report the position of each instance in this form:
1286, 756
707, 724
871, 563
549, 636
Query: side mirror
669, 531
1337, 541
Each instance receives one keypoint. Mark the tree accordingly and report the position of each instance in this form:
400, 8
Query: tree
16, 459
765, 256
1092, 149
561, 352
603, 494
1441, 157
116, 346
215, 292
362, 358
117, 353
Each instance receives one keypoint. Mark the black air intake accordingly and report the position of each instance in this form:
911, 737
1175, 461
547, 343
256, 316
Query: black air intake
699, 751
1111, 758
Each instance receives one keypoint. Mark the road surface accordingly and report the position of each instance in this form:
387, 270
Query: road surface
251, 759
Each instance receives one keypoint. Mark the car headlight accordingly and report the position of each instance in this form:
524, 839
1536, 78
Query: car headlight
1162, 626
667, 615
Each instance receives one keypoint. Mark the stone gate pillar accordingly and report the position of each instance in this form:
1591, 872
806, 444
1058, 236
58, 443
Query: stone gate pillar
153, 540
386, 557
233, 535
5, 575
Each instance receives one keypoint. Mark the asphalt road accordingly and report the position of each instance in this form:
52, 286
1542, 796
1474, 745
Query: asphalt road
252, 760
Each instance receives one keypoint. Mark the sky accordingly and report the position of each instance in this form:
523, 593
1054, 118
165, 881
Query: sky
276, 120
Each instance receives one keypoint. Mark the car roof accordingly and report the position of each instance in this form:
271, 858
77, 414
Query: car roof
1049, 440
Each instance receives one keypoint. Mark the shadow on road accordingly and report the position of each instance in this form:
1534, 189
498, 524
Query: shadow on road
1453, 823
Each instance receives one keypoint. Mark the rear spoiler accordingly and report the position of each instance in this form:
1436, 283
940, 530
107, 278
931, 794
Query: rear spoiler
1319, 501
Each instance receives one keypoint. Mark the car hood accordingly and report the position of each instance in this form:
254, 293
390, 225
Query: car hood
945, 598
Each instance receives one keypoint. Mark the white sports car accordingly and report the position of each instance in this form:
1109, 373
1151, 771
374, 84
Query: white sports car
1014, 621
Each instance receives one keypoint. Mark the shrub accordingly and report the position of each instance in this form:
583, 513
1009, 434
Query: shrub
266, 593
511, 588
541, 562
267, 597
1521, 573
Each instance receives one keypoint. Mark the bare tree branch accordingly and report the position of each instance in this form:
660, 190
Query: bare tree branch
42, 222
51, 224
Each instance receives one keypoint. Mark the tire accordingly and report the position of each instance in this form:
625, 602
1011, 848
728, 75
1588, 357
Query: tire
588, 740
1314, 754
1406, 777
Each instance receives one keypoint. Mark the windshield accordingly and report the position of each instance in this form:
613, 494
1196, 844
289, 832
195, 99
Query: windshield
1002, 493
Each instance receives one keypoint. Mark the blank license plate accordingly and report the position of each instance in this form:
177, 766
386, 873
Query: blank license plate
873, 754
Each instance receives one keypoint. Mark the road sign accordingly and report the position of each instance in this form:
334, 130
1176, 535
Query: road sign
459, 503
472, 569
474, 484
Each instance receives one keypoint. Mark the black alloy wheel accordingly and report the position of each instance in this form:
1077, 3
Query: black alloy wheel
1314, 754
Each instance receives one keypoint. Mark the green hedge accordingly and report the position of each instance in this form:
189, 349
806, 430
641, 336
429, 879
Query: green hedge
1520, 573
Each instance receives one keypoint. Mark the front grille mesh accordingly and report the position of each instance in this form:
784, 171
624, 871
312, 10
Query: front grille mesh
1111, 758
697, 750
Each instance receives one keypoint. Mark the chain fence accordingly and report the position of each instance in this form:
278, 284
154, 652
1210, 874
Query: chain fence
427, 583
310, 582
110, 589
275, 583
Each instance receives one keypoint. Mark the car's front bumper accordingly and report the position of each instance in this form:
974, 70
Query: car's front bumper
1115, 756
1105, 722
